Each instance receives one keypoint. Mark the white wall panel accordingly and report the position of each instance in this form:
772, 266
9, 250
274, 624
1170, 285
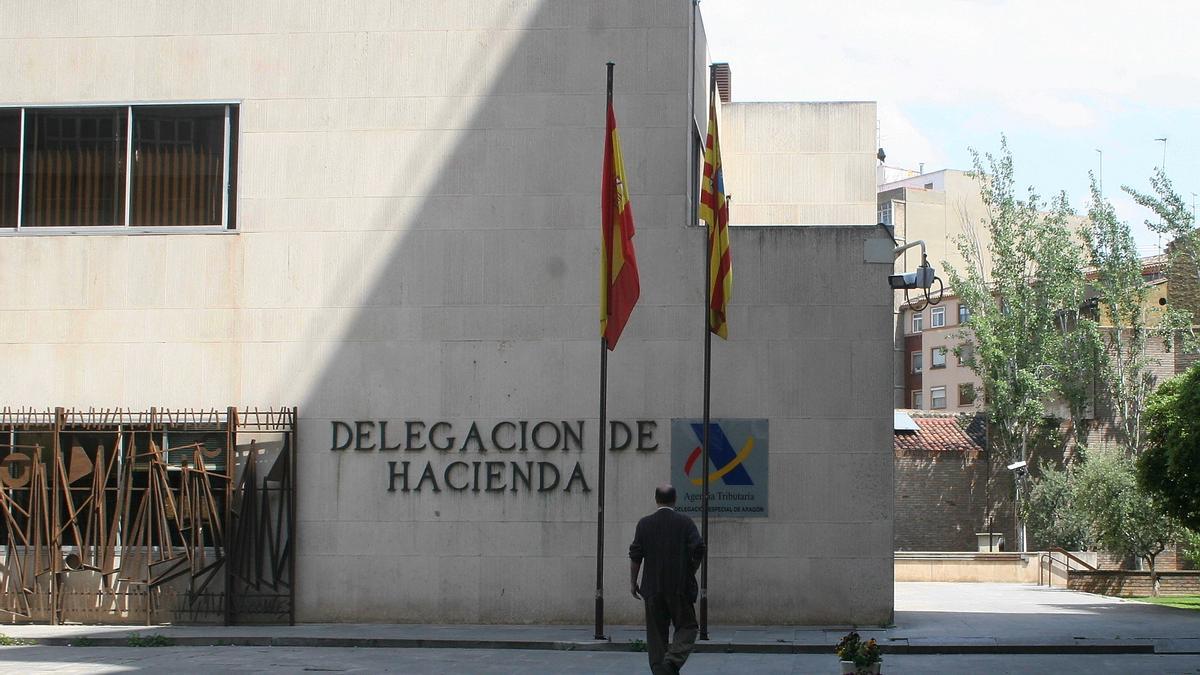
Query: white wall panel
418, 193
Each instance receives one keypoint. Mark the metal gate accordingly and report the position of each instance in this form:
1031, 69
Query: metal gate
159, 516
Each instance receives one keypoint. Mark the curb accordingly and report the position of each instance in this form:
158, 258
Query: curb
594, 646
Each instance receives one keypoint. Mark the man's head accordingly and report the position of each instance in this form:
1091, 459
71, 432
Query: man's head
664, 495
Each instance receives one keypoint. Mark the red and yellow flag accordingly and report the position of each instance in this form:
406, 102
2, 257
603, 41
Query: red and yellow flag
714, 210
619, 286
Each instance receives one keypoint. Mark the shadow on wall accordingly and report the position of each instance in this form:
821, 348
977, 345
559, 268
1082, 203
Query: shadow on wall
469, 293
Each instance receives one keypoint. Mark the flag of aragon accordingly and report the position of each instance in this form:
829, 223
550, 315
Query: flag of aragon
714, 210
619, 286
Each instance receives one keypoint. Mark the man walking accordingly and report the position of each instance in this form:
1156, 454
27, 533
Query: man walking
672, 549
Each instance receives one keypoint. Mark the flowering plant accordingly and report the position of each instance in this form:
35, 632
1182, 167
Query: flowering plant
852, 648
847, 649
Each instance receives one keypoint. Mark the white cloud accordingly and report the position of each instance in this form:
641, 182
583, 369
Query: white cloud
904, 143
1062, 63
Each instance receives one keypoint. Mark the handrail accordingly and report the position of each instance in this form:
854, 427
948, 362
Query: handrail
1058, 549
1048, 555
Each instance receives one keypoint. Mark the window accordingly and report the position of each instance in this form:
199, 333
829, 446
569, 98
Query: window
141, 166
885, 213
10, 165
966, 393
917, 361
966, 354
937, 398
937, 317
916, 399
918, 322
964, 314
937, 357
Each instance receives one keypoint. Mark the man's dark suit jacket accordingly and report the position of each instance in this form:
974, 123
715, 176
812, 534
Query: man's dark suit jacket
671, 549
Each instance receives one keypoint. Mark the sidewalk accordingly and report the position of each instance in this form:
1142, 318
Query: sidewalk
931, 618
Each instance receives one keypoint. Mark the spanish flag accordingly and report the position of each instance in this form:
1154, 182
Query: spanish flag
714, 210
619, 287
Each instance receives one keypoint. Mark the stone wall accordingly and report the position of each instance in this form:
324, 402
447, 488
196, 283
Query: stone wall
1000, 568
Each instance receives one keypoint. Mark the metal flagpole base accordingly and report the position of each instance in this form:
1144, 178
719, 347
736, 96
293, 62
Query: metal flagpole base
599, 633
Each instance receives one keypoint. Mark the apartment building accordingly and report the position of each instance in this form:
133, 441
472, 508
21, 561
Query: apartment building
936, 355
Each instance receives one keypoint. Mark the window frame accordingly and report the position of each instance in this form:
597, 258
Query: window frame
934, 313
918, 322
228, 179
933, 360
966, 352
974, 394
916, 400
933, 398
916, 362
884, 212
964, 314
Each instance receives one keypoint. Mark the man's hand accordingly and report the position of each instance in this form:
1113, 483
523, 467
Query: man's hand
633, 588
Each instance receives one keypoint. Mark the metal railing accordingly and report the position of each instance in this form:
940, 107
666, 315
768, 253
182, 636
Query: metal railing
1047, 561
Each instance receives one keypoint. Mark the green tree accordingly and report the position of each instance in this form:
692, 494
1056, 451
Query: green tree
1178, 224
1124, 367
1170, 466
1125, 518
1021, 351
1053, 513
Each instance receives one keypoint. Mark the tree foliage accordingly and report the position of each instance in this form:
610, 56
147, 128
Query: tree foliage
1170, 466
1178, 224
1125, 518
1052, 511
1099, 502
1024, 322
1124, 367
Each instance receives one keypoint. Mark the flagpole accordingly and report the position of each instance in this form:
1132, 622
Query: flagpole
708, 245
603, 423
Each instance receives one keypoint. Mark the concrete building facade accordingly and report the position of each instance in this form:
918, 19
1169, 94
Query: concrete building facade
403, 245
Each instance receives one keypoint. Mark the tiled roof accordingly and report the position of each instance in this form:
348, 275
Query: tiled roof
943, 432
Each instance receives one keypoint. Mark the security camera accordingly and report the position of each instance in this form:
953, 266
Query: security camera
922, 278
1017, 466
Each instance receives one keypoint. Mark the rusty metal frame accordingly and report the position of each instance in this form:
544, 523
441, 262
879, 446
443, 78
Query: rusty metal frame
154, 534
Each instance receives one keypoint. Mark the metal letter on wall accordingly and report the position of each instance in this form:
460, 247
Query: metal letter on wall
115, 516
738, 466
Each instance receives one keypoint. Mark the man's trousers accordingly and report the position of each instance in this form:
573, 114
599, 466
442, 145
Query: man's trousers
663, 610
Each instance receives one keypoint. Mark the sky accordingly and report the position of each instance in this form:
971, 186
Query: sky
1074, 86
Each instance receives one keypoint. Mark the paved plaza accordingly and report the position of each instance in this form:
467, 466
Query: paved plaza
350, 660
939, 627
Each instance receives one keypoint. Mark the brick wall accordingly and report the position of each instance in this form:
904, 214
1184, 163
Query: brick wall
1129, 584
1183, 290
941, 500
1166, 561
